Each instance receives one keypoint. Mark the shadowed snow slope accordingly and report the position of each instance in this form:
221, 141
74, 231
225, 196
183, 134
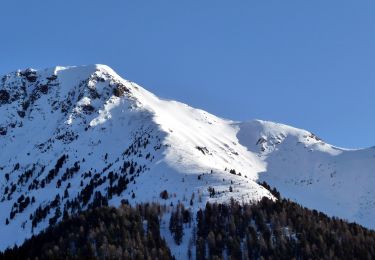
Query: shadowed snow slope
73, 137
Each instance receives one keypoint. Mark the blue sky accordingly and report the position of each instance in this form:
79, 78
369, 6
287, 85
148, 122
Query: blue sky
309, 64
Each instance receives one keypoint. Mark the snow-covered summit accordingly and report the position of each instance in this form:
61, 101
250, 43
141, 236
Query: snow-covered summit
74, 136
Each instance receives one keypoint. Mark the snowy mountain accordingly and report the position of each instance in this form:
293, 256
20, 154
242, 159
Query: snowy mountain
72, 137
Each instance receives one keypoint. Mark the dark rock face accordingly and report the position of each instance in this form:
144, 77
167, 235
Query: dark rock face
3, 130
4, 96
43, 89
21, 113
88, 108
120, 90
30, 75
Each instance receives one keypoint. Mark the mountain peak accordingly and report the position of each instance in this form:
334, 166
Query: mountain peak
84, 70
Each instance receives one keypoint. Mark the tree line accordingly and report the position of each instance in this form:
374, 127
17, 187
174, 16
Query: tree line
101, 233
269, 229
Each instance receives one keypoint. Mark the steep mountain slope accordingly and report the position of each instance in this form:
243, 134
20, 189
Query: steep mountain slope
74, 134
75, 137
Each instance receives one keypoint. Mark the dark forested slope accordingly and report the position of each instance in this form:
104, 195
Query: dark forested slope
266, 230
104, 233
278, 230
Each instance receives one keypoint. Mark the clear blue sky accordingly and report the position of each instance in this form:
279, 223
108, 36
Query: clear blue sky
309, 64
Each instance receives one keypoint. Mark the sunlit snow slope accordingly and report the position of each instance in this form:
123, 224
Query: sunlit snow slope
72, 134
304, 168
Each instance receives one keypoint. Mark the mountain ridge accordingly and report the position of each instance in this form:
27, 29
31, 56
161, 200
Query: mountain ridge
86, 132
